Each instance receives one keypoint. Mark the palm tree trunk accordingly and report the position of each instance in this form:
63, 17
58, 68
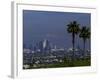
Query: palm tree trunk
89, 44
84, 40
73, 43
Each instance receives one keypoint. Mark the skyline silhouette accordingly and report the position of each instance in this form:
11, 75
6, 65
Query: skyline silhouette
40, 25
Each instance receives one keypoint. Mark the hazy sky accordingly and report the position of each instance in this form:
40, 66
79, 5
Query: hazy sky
40, 25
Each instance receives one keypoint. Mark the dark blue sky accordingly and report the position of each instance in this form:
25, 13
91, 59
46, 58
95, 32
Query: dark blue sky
40, 25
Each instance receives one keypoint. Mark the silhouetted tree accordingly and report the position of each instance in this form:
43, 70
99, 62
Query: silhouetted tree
73, 28
84, 34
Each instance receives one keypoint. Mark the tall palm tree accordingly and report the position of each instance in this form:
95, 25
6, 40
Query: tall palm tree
89, 36
73, 28
84, 34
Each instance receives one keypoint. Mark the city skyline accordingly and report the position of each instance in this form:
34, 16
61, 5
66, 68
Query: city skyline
40, 25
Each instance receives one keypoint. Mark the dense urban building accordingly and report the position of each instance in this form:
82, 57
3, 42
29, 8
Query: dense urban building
44, 53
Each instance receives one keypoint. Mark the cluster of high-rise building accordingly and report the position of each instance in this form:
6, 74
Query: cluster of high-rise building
42, 46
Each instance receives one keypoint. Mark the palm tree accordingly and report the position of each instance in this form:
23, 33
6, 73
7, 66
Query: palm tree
73, 28
84, 34
89, 36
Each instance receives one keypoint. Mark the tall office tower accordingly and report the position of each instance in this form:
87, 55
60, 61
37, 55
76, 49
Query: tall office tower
55, 47
46, 46
40, 46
